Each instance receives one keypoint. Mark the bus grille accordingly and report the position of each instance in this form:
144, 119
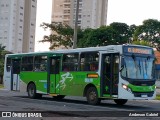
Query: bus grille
139, 94
143, 83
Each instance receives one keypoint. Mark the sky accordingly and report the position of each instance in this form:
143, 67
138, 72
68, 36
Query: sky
133, 11
44, 8
124, 11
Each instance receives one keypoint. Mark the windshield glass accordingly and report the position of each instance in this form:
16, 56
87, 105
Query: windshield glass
137, 67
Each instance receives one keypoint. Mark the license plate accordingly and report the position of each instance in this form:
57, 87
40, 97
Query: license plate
144, 96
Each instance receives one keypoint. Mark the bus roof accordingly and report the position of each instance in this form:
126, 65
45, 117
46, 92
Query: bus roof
112, 48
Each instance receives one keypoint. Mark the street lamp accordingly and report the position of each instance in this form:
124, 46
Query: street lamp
75, 27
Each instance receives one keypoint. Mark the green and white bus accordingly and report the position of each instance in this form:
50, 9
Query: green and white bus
118, 72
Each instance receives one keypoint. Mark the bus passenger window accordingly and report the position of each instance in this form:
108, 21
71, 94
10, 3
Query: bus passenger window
40, 63
27, 63
93, 67
70, 62
65, 68
89, 61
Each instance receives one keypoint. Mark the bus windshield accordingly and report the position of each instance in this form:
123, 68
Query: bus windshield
137, 67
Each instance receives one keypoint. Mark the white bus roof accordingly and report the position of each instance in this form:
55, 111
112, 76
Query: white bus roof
112, 48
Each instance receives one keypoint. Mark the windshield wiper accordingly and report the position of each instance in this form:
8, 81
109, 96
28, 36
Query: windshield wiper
126, 68
146, 66
139, 67
133, 57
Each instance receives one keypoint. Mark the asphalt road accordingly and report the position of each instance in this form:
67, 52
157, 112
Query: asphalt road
77, 107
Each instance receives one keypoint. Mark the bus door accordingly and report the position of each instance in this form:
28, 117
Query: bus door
110, 72
53, 74
15, 71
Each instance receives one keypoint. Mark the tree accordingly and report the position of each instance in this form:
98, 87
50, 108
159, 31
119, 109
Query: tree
115, 33
3, 52
123, 33
93, 37
103, 36
142, 42
2, 48
132, 29
61, 35
150, 32
83, 39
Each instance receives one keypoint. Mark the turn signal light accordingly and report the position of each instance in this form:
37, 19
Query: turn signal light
93, 75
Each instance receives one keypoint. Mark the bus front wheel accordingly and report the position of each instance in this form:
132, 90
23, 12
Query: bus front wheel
120, 101
32, 91
92, 96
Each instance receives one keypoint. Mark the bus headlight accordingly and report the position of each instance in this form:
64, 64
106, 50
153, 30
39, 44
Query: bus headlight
126, 88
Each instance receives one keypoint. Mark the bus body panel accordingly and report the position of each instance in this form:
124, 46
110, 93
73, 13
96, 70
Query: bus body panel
128, 93
7, 75
7, 80
74, 83
22, 86
38, 78
59, 82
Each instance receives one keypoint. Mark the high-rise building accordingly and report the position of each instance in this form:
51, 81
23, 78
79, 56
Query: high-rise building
92, 13
61, 10
30, 9
17, 25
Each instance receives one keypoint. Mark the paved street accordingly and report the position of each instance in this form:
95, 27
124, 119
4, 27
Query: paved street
73, 106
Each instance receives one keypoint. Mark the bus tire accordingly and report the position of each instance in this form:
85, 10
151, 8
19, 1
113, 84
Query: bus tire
92, 96
59, 97
120, 101
32, 91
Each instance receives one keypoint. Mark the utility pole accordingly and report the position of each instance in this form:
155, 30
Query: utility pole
75, 27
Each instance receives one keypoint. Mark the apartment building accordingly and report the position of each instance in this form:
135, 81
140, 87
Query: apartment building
17, 25
92, 13
30, 9
61, 10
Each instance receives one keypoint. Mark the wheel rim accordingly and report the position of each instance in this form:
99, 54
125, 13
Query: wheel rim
31, 91
92, 96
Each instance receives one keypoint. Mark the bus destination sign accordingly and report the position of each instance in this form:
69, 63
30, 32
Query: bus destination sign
137, 50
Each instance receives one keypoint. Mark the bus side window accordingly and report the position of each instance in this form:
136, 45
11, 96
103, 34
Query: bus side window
89, 61
40, 63
70, 62
93, 67
27, 63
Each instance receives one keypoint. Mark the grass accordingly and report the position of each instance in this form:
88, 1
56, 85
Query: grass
1, 86
158, 97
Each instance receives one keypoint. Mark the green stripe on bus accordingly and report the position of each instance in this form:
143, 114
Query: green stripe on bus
141, 88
